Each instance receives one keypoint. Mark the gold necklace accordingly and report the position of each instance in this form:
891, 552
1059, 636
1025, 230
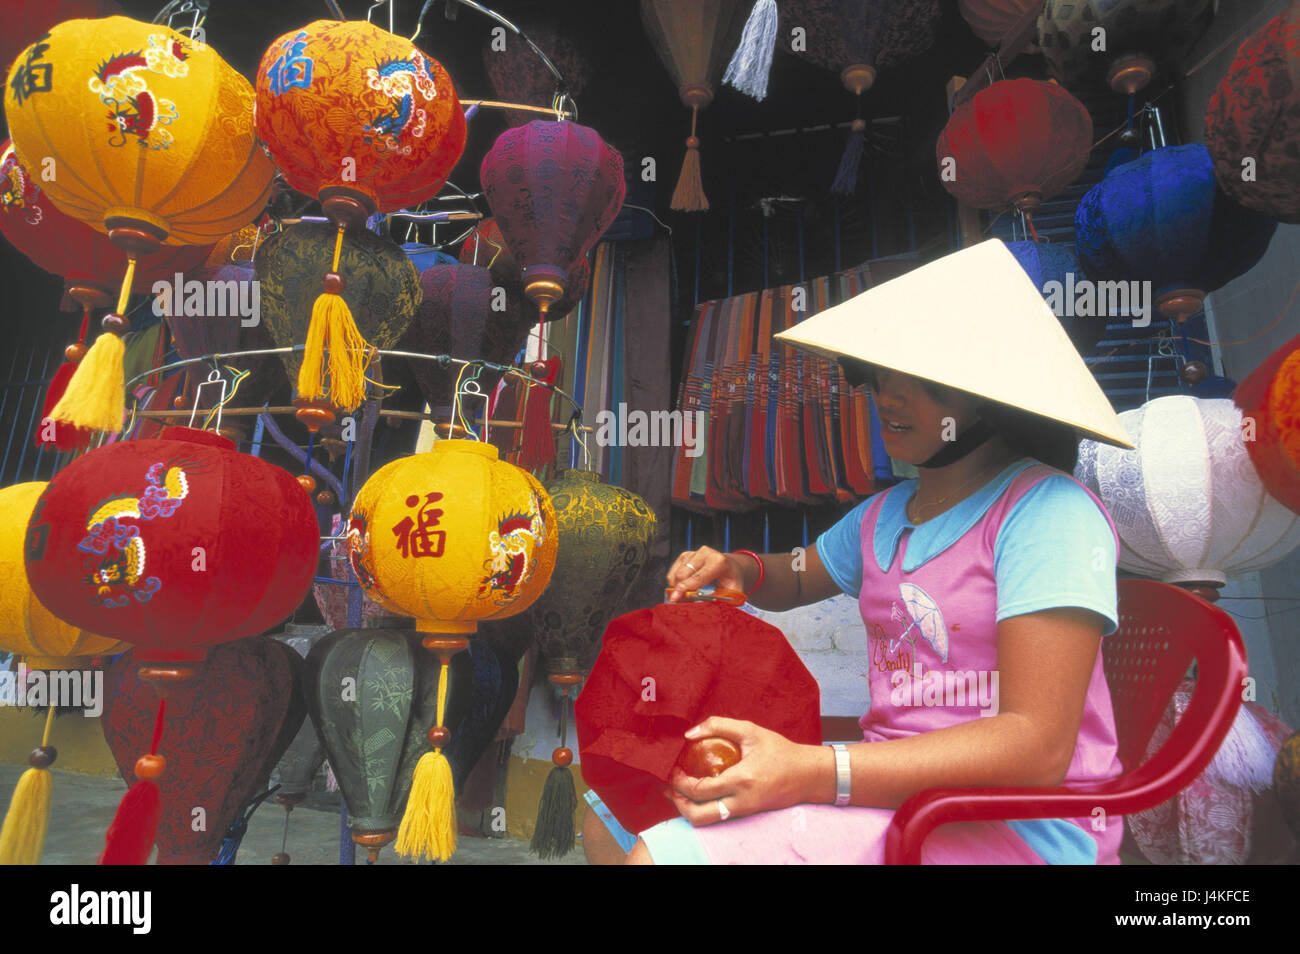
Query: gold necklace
914, 507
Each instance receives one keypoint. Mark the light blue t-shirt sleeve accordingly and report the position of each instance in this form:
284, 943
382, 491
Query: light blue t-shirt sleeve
840, 550
1055, 549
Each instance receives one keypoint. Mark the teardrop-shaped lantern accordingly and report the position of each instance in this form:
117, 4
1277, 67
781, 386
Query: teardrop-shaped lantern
1162, 218
1252, 124
517, 74
486, 246
382, 291
229, 726
372, 693
554, 188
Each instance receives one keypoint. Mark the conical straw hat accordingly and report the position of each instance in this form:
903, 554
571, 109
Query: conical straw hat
973, 321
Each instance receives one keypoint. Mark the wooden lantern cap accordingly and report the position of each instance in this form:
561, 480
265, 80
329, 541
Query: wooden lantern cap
544, 292
1027, 202
1181, 303
697, 95
372, 841
90, 296
1128, 74
858, 78
313, 414
134, 236
347, 207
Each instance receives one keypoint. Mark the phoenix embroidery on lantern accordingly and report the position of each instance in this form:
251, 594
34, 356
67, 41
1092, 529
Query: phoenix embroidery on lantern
17, 190
133, 109
400, 81
512, 544
118, 556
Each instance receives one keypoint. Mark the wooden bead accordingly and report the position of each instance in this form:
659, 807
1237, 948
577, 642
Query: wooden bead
325, 498
42, 756
179, 402
562, 757
692, 142
439, 736
307, 482
74, 352
280, 858
705, 758
333, 283
115, 324
314, 416
150, 767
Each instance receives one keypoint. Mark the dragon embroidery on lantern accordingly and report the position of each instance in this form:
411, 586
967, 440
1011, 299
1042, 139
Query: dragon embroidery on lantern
17, 190
118, 556
512, 545
133, 109
400, 81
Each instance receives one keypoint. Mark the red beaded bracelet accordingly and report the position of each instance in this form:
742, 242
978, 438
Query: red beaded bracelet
762, 571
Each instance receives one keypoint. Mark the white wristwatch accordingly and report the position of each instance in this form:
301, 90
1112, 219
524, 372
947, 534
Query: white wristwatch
843, 775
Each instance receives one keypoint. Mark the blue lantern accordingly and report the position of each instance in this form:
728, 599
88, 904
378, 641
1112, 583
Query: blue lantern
1055, 271
1162, 218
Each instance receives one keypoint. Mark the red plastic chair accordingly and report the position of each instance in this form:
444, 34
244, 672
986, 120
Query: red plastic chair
1162, 629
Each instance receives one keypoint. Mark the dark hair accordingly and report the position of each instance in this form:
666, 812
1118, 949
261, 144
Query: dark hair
1029, 435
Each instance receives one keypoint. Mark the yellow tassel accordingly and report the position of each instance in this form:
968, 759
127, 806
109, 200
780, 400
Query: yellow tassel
96, 395
23, 836
689, 195
333, 328
428, 828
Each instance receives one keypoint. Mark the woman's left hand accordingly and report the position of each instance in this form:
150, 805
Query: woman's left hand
772, 773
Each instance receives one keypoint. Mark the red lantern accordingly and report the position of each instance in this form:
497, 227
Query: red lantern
230, 724
1255, 114
1269, 399
554, 189
173, 544
1014, 144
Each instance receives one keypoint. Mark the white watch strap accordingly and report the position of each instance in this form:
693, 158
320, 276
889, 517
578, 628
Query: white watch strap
843, 775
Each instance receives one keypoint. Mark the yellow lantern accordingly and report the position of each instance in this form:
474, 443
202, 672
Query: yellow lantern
146, 135
45, 642
27, 628
450, 537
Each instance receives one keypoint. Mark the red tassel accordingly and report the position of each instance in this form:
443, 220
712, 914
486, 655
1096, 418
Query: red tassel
538, 448
64, 437
130, 838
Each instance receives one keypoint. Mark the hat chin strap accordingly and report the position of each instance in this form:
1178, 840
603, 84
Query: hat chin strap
966, 441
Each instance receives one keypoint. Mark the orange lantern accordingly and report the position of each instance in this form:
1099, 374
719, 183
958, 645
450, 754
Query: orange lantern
1269, 399
150, 138
450, 537
364, 121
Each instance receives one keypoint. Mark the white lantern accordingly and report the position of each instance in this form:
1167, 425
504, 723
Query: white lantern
1187, 502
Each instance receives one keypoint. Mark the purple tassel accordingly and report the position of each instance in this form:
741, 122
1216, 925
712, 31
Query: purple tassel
846, 179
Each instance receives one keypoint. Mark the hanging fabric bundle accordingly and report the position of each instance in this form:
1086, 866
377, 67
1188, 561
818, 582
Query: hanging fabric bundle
690, 37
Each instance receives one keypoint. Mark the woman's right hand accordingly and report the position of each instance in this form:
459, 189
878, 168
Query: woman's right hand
696, 568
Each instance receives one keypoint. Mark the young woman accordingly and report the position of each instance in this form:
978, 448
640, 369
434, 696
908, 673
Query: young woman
985, 587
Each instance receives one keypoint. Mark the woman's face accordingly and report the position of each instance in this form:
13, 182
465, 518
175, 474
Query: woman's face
915, 426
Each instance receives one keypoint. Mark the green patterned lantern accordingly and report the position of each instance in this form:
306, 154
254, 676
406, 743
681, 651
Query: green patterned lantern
605, 536
372, 693
382, 290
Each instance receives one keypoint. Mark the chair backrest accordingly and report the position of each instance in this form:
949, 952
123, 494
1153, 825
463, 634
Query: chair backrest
1162, 630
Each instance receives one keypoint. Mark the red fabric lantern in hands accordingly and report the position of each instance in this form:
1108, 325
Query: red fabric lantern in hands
702, 660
